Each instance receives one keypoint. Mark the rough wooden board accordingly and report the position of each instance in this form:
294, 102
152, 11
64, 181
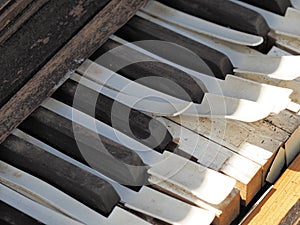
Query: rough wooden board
4, 3
34, 43
284, 194
83, 186
9, 30
12, 11
285, 120
247, 173
55, 72
257, 142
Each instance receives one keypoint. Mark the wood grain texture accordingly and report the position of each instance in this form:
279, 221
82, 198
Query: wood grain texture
284, 194
87, 188
9, 13
293, 216
60, 66
39, 39
4, 3
17, 22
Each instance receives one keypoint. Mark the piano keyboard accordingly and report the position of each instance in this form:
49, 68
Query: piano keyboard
185, 114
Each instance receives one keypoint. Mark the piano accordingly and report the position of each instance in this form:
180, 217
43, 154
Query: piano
145, 112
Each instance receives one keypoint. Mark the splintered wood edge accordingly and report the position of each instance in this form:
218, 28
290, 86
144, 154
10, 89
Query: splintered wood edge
277, 203
59, 68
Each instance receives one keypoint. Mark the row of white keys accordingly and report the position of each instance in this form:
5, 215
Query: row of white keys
233, 86
48, 196
146, 200
207, 190
193, 148
261, 156
212, 105
283, 68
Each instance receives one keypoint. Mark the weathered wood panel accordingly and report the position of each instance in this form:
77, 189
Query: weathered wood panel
19, 20
58, 68
39, 39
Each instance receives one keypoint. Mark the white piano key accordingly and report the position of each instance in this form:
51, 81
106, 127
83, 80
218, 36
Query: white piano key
198, 171
275, 97
179, 18
147, 154
245, 60
233, 86
147, 200
275, 51
34, 209
182, 174
213, 105
286, 25
53, 198
296, 4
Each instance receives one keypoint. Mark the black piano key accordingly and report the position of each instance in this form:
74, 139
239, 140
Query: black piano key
135, 124
11, 216
223, 12
191, 91
138, 29
81, 185
111, 159
276, 6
